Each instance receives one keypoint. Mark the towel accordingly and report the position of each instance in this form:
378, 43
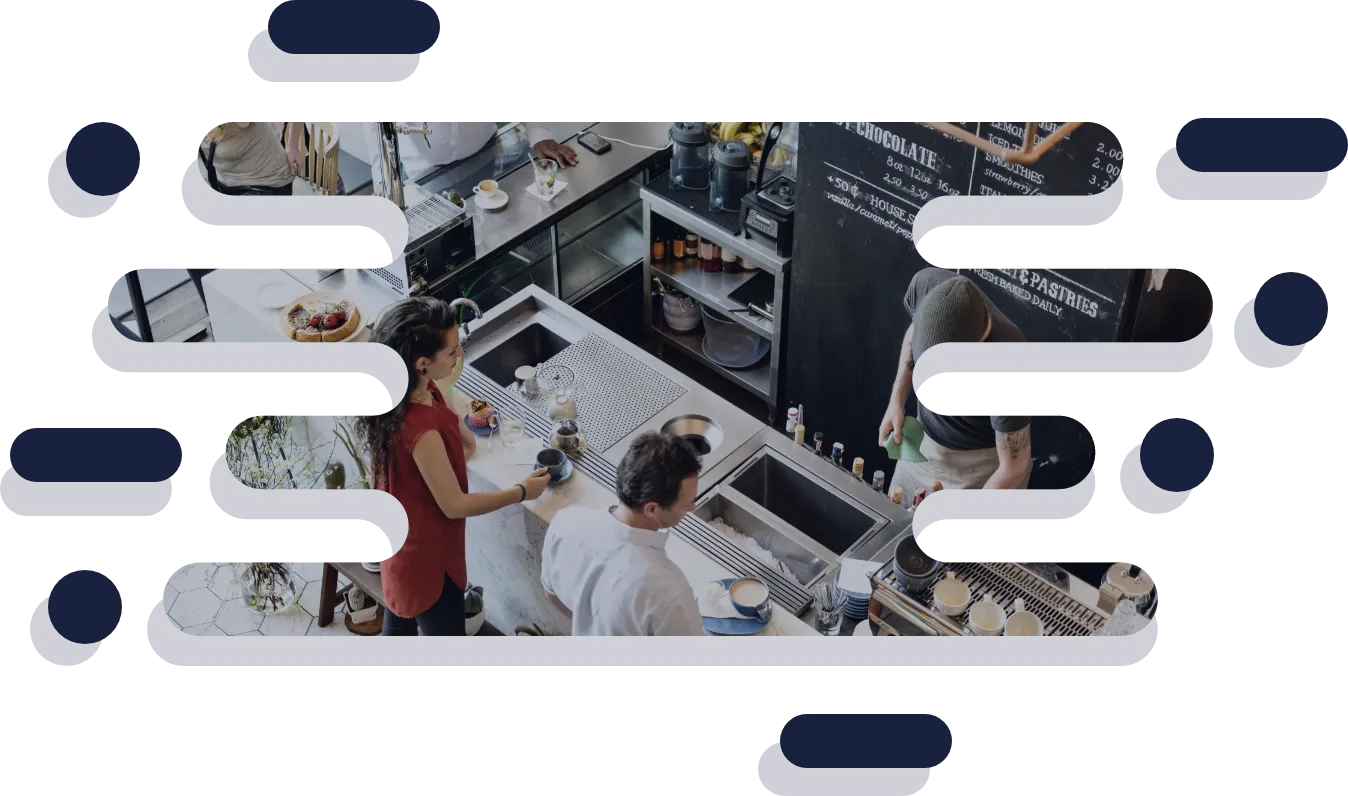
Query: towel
714, 602
909, 447
855, 575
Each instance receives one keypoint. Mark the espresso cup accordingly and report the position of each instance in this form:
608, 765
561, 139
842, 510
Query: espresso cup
751, 598
986, 617
553, 460
1024, 623
486, 189
951, 594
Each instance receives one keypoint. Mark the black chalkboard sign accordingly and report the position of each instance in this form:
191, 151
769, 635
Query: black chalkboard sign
860, 184
1058, 303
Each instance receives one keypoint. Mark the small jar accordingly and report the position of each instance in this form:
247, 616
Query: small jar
690, 242
896, 494
837, 453
730, 262
819, 443
708, 254
678, 247
658, 250
859, 467
791, 416
878, 481
800, 434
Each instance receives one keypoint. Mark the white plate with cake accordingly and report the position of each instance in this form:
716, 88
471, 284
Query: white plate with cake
322, 318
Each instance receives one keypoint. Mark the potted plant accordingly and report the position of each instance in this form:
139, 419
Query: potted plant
268, 588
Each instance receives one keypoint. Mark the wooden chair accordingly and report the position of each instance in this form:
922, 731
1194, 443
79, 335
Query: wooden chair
318, 151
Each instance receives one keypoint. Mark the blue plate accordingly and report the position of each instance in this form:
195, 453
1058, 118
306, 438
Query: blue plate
735, 626
485, 430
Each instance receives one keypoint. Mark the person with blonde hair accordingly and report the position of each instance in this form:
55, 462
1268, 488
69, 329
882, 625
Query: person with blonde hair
248, 158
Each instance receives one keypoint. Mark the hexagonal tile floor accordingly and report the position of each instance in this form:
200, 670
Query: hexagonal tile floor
206, 600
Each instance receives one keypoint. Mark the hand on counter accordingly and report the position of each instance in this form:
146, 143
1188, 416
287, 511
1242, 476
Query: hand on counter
563, 154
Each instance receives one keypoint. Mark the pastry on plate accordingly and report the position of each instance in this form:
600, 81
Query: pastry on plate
322, 320
479, 413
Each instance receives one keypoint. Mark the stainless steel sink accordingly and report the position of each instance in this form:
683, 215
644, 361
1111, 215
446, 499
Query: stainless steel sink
804, 562
804, 502
531, 345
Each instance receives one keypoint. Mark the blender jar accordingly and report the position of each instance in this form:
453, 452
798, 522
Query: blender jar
730, 175
690, 163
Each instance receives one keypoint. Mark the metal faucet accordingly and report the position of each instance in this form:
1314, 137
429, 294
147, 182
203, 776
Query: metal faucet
464, 332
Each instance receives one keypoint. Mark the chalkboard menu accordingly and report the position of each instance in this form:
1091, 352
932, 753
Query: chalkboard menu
886, 171
1081, 305
860, 185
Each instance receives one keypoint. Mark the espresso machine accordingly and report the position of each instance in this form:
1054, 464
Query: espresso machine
440, 238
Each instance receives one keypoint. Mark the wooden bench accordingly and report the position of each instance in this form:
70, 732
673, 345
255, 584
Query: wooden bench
368, 582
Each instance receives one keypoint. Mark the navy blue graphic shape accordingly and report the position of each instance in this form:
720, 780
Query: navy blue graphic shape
865, 740
102, 159
1177, 455
1261, 145
103, 455
84, 607
1291, 309
353, 27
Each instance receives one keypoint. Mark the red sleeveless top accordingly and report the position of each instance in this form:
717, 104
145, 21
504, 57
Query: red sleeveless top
435, 545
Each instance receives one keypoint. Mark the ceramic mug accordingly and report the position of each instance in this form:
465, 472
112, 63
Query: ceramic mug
751, 598
952, 595
486, 189
553, 460
986, 617
1024, 623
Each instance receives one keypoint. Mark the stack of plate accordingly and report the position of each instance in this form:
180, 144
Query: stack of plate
855, 605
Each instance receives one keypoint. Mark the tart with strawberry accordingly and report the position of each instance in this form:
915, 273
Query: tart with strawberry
311, 320
479, 413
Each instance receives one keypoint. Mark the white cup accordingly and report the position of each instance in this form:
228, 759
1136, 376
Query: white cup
487, 189
1024, 623
952, 595
986, 617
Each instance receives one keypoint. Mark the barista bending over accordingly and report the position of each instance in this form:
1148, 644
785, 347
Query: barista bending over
962, 452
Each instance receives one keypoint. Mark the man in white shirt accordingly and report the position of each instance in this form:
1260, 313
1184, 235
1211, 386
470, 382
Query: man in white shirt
608, 570
450, 142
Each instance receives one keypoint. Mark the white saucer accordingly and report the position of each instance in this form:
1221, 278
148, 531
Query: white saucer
276, 295
492, 202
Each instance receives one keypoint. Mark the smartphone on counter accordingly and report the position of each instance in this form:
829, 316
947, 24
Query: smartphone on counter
594, 143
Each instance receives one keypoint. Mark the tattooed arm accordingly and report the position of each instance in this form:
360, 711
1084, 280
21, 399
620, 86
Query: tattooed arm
1013, 454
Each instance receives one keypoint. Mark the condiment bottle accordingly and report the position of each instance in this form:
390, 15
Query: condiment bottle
896, 494
819, 443
800, 434
677, 247
859, 468
708, 254
730, 262
878, 481
837, 453
657, 246
690, 241
792, 415
936, 486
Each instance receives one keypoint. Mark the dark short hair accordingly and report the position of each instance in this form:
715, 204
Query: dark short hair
654, 468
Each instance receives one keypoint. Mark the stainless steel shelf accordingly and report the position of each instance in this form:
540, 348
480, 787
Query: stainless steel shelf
757, 254
756, 380
713, 289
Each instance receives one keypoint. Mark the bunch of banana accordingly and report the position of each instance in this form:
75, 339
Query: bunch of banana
750, 132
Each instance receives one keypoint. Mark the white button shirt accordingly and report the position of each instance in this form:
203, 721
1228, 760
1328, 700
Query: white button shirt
450, 142
616, 580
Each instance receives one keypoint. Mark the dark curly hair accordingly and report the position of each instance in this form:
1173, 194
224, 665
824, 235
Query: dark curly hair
653, 469
413, 327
